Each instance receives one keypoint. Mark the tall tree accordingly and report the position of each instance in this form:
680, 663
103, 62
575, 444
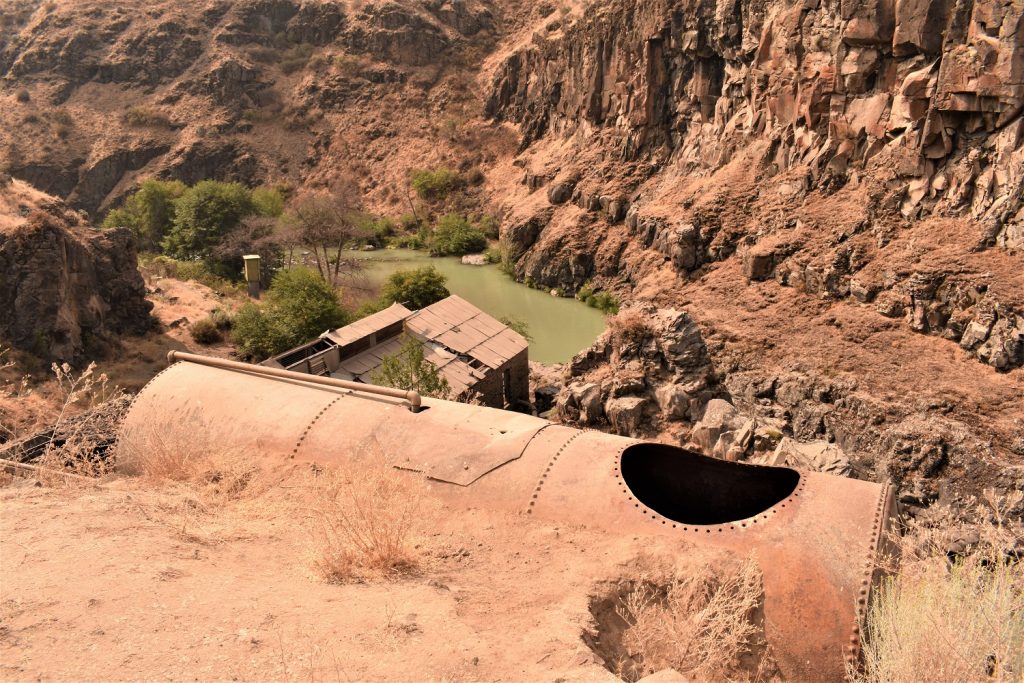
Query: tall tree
325, 223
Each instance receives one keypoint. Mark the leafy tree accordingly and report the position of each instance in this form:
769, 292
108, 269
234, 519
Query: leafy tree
149, 213
268, 201
324, 223
203, 214
411, 371
454, 236
518, 326
435, 185
415, 288
255, 235
299, 306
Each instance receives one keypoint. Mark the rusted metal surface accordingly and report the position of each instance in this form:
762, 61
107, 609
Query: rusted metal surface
369, 325
414, 399
815, 536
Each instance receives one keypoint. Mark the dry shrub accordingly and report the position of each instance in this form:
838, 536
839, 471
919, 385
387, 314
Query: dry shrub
705, 623
178, 452
193, 484
955, 609
362, 521
87, 422
630, 329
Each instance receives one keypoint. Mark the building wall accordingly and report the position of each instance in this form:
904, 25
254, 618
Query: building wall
491, 389
519, 366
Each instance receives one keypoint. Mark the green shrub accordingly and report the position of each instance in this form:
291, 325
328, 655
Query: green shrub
518, 326
490, 226
408, 222
435, 185
493, 255
149, 212
205, 331
203, 214
454, 236
299, 305
606, 302
409, 370
141, 117
222, 319
268, 201
415, 288
406, 242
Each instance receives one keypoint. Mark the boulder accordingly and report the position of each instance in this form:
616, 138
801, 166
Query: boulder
818, 456
581, 402
720, 427
673, 401
625, 414
758, 263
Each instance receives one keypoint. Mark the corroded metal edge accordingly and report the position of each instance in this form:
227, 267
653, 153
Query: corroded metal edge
135, 399
864, 593
736, 525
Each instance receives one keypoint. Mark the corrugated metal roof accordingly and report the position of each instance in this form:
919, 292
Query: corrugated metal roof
453, 332
465, 329
368, 325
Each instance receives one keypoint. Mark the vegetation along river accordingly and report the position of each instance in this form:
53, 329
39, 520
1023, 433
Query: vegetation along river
560, 327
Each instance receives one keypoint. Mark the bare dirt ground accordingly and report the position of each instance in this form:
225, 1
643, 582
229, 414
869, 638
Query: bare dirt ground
176, 305
128, 580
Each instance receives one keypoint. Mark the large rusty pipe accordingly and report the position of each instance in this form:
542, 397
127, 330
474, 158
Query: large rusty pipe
413, 397
816, 537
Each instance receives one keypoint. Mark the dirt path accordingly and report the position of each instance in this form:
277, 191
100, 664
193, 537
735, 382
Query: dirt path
127, 582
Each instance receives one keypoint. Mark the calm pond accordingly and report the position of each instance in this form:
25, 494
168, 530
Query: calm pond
560, 327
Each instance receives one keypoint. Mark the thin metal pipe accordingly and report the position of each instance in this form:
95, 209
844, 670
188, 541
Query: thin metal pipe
413, 397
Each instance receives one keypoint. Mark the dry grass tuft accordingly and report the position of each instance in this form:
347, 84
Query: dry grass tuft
955, 610
362, 520
629, 329
705, 622
194, 486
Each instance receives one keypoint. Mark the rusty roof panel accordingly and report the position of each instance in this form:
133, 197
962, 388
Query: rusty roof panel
370, 324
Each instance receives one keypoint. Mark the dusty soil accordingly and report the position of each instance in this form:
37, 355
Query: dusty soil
127, 580
176, 305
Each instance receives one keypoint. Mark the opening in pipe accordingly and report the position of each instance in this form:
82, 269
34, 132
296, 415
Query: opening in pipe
694, 489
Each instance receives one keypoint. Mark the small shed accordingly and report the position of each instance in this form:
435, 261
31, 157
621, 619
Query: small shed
478, 355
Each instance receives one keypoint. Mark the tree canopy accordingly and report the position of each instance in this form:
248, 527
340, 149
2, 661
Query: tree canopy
203, 214
415, 288
411, 371
298, 307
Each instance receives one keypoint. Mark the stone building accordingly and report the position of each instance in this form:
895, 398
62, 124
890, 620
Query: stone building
481, 358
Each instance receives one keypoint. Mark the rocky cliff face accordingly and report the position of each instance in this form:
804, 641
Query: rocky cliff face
901, 111
97, 95
832, 191
931, 91
67, 291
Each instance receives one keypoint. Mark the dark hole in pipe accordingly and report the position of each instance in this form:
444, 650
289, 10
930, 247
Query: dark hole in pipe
691, 488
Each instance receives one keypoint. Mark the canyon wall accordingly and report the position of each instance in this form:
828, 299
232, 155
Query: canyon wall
68, 292
928, 92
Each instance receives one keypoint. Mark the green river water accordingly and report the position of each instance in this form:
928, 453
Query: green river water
560, 327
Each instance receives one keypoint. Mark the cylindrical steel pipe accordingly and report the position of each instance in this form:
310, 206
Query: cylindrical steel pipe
413, 397
815, 536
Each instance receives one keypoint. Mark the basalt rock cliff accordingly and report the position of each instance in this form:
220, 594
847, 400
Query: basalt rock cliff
68, 292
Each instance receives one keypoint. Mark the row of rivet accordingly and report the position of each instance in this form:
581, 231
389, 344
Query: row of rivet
543, 476
117, 437
309, 427
647, 512
853, 650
